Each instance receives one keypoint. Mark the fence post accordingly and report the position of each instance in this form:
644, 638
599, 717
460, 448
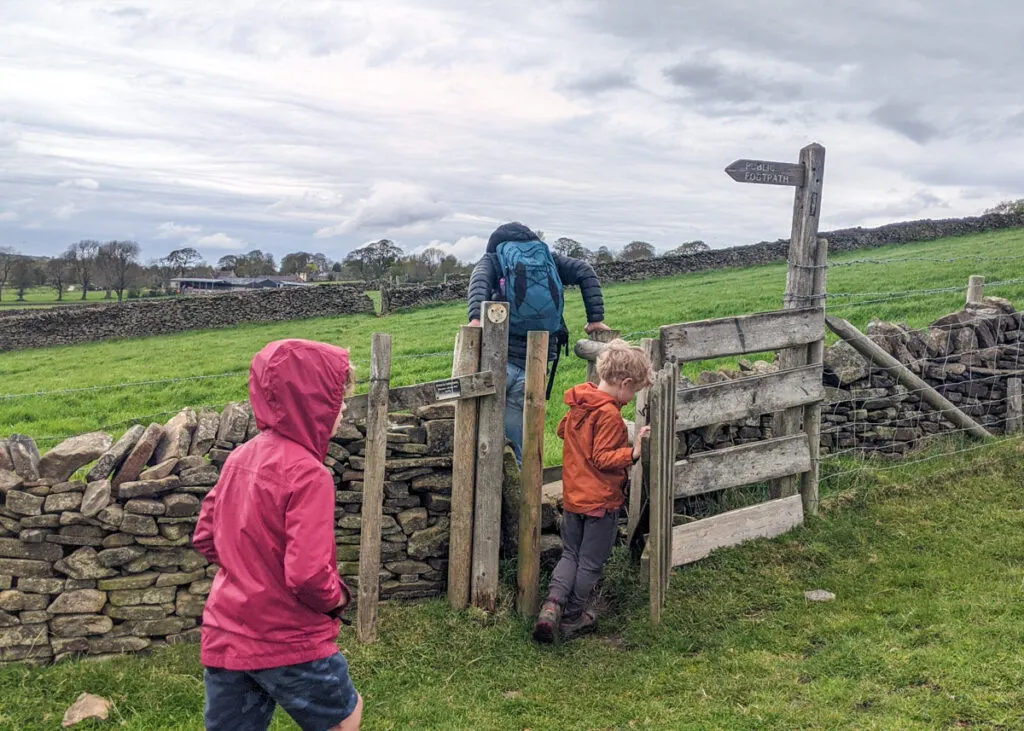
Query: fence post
662, 494
460, 542
490, 448
373, 487
652, 347
812, 412
800, 284
975, 289
532, 474
1014, 406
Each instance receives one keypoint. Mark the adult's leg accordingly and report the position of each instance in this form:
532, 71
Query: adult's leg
595, 548
515, 396
235, 702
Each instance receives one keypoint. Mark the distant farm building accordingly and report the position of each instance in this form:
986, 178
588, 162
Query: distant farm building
228, 284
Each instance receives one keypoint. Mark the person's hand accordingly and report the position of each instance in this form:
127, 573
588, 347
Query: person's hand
593, 327
638, 442
474, 323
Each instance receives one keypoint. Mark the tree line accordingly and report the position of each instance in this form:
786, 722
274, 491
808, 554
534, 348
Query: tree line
114, 267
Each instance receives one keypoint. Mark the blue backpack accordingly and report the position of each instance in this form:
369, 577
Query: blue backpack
531, 285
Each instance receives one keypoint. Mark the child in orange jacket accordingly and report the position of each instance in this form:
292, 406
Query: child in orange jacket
596, 460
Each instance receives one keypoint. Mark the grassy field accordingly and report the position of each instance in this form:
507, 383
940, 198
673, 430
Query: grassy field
47, 297
925, 633
423, 339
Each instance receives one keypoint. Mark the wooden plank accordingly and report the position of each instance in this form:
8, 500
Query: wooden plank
1014, 406
722, 469
752, 396
602, 337
870, 350
669, 467
766, 172
460, 543
535, 409
407, 398
490, 448
812, 412
659, 395
763, 331
373, 488
643, 418
694, 541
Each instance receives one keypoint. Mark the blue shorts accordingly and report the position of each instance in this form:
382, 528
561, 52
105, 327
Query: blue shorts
317, 695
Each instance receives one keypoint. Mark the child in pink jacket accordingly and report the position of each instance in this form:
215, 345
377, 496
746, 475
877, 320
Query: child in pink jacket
271, 622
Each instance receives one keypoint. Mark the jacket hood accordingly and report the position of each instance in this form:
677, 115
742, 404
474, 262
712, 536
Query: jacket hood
587, 397
509, 232
296, 388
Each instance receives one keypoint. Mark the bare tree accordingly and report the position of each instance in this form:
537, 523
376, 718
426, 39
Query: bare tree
573, 249
24, 275
604, 256
83, 260
7, 259
118, 261
432, 259
58, 273
181, 260
637, 250
689, 249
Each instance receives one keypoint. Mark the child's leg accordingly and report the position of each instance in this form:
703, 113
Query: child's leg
563, 579
317, 694
595, 549
234, 702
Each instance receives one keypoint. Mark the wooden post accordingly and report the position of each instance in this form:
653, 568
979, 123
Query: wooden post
1014, 406
652, 348
490, 448
975, 289
657, 526
373, 487
528, 595
800, 284
812, 412
601, 336
870, 350
460, 542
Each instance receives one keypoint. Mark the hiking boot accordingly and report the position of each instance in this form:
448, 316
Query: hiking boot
584, 623
546, 628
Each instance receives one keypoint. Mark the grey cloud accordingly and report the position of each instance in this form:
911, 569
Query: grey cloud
596, 83
906, 119
710, 81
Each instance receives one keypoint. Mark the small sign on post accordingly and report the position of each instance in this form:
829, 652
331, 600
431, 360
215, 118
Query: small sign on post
767, 172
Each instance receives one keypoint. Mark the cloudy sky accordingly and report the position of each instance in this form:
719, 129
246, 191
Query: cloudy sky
323, 124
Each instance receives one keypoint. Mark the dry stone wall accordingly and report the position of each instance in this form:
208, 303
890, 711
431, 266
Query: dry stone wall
87, 323
95, 554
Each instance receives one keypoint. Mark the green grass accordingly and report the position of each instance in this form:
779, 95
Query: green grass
925, 633
47, 297
631, 308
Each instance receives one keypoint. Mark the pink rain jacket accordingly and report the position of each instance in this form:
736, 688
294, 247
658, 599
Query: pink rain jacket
269, 522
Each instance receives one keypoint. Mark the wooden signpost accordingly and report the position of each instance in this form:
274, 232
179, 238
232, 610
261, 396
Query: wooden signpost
767, 172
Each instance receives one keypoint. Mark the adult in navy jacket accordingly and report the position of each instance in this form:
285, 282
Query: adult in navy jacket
484, 286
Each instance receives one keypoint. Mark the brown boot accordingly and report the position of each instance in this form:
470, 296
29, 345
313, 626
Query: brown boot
585, 623
546, 629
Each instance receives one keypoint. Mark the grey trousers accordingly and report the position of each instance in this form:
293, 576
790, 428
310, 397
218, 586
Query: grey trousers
588, 544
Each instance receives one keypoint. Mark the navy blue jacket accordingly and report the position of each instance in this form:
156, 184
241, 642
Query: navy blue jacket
484, 285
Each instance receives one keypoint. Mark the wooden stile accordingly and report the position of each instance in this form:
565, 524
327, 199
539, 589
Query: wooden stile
722, 469
490, 448
763, 331
812, 411
535, 408
373, 488
744, 397
695, 541
652, 348
406, 398
662, 494
460, 550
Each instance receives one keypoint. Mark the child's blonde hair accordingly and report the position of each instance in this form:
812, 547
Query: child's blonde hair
620, 360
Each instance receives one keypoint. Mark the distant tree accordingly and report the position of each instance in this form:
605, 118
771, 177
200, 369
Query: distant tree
604, 256
689, 249
540, 234
636, 251
374, 260
7, 258
1008, 207
432, 259
181, 260
322, 263
227, 263
117, 261
59, 273
83, 261
574, 249
296, 263
336, 268
24, 275
255, 264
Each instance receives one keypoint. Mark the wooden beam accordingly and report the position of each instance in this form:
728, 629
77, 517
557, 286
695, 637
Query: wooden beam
653, 350
722, 469
490, 450
764, 331
602, 338
882, 360
744, 397
373, 488
694, 541
812, 412
407, 398
535, 408
460, 540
